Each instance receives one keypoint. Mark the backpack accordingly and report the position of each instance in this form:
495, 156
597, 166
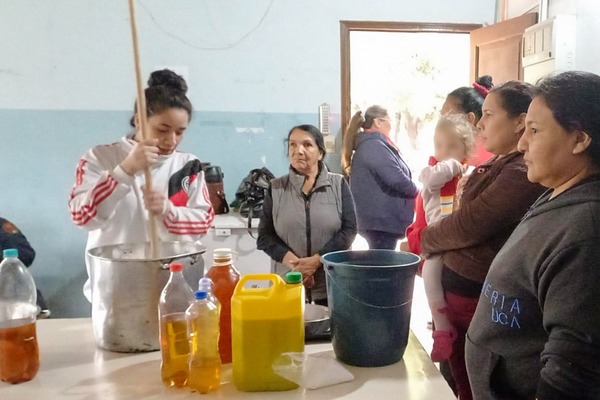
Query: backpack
250, 194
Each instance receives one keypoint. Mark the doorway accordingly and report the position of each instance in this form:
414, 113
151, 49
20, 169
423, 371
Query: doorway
408, 68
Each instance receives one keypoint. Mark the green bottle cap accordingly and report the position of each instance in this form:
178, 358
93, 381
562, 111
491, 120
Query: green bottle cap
293, 277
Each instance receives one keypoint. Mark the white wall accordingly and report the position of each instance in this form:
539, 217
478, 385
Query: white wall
588, 29
562, 7
588, 32
519, 7
76, 54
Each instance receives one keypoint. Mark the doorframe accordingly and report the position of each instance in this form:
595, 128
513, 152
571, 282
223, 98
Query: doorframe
382, 26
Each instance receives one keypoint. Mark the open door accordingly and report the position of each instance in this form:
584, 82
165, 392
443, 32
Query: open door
346, 27
496, 49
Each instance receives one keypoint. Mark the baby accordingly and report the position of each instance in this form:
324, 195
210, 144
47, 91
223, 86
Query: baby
454, 140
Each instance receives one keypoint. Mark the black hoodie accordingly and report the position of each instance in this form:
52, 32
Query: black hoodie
536, 331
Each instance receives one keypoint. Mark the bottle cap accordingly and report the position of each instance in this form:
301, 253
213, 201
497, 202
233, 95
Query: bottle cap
205, 284
223, 257
176, 267
223, 254
293, 277
223, 251
200, 294
10, 253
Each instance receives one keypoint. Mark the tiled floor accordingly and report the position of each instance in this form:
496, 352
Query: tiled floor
420, 314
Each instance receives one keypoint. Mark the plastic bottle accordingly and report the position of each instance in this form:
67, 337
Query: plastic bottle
266, 322
19, 352
225, 278
203, 330
206, 285
175, 299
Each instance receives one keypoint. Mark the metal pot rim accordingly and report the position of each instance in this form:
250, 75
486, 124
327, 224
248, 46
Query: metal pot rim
199, 249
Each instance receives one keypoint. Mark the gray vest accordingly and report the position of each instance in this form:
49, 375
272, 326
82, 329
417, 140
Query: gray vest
296, 220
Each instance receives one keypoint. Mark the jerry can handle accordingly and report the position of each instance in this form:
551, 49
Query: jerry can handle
274, 278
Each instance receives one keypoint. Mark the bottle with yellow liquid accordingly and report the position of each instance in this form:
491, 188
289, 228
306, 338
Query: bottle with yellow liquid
175, 298
203, 330
266, 322
19, 352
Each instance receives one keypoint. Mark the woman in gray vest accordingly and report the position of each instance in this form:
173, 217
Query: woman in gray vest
306, 213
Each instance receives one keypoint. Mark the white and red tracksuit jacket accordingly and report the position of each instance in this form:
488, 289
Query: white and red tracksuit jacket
109, 203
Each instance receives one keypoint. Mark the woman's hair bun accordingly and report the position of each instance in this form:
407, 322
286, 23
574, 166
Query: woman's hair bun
483, 85
166, 77
485, 81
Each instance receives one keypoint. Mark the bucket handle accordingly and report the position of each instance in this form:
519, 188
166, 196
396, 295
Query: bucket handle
330, 277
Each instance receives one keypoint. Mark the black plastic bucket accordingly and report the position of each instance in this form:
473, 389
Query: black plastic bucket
370, 298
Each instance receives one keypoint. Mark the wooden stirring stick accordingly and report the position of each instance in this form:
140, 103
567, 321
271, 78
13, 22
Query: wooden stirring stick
141, 109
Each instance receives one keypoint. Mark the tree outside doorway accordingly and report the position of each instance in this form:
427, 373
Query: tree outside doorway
409, 74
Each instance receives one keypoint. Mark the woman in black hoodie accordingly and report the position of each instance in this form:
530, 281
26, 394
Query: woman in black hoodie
536, 330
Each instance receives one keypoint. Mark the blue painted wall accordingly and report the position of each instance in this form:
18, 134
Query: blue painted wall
255, 69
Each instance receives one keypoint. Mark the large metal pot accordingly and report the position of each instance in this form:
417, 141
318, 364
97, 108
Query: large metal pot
126, 285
